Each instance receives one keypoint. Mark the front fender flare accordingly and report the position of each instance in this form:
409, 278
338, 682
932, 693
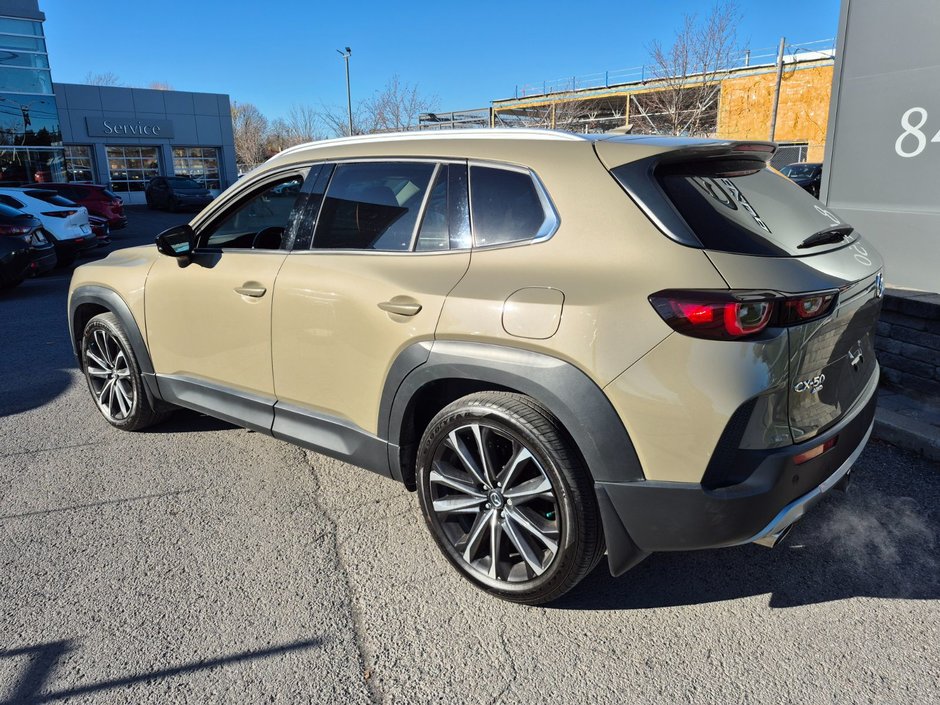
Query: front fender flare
111, 300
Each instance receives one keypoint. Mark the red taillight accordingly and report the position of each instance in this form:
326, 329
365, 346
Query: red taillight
60, 214
815, 452
729, 315
808, 307
15, 230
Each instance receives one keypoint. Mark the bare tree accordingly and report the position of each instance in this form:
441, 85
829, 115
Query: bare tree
688, 75
250, 128
303, 124
336, 120
396, 107
159, 86
106, 78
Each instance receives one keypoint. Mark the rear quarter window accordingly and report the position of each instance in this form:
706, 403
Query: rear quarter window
507, 206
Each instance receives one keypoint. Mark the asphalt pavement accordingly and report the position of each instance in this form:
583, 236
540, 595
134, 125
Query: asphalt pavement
200, 563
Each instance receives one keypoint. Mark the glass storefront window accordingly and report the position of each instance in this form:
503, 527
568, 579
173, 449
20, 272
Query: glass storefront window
20, 166
26, 43
79, 165
198, 163
26, 80
22, 58
131, 167
10, 25
28, 121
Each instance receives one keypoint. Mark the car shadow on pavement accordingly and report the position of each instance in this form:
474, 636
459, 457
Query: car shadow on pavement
43, 659
186, 421
879, 539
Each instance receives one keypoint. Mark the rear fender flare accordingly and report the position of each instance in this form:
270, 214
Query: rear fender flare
574, 398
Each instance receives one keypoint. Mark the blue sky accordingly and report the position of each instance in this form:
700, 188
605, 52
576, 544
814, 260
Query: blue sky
278, 52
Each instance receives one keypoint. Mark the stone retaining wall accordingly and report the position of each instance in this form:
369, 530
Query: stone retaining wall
908, 343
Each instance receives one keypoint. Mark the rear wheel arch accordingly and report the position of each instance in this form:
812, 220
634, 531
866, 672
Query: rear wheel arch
428, 376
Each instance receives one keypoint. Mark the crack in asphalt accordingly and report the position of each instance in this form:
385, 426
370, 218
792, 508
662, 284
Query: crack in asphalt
366, 660
514, 671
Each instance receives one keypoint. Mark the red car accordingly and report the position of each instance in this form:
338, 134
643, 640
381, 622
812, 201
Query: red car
97, 199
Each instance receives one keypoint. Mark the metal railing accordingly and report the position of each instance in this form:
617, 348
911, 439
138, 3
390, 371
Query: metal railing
821, 48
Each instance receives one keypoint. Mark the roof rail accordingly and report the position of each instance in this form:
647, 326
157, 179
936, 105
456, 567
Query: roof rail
481, 133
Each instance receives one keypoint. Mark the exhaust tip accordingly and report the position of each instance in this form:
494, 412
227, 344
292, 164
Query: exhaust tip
773, 539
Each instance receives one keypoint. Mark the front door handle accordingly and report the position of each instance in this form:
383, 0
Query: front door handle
254, 291
401, 306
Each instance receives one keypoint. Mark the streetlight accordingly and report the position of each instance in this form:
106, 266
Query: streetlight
345, 55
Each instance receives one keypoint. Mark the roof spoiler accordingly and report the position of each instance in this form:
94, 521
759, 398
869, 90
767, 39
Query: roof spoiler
706, 151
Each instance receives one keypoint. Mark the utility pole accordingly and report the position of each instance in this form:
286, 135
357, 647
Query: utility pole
345, 55
773, 115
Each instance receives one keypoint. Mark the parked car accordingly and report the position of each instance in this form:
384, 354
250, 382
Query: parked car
24, 251
565, 344
177, 193
64, 223
97, 199
101, 229
807, 175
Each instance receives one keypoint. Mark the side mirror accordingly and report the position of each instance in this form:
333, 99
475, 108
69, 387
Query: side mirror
178, 241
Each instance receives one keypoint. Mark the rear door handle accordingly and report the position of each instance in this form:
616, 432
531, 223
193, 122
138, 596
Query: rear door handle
401, 306
255, 291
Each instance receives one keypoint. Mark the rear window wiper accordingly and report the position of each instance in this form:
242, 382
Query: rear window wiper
826, 237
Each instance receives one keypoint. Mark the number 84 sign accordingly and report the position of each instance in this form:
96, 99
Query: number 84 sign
912, 141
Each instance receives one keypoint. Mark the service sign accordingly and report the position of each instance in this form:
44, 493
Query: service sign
129, 127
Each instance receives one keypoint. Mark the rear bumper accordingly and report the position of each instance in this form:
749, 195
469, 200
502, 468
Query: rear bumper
42, 261
646, 516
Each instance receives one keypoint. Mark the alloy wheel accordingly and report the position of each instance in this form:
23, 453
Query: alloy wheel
109, 375
495, 504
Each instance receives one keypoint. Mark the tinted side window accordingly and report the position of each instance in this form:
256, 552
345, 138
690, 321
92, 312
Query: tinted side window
372, 206
505, 206
260, 222
10, 201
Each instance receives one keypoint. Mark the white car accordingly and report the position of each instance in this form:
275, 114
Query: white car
65, 223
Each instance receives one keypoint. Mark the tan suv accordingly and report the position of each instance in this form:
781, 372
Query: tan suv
568, 345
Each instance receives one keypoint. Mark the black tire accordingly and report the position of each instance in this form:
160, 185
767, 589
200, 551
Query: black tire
506, 423
116, 357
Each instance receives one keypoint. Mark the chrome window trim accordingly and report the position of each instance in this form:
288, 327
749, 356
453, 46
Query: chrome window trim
551, 221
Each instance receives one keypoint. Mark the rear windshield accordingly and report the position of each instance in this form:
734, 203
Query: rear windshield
745, 211
50, 197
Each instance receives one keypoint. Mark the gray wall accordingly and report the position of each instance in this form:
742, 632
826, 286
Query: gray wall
199, 120
888, 63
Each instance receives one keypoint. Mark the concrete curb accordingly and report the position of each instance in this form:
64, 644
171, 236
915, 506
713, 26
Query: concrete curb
905, 432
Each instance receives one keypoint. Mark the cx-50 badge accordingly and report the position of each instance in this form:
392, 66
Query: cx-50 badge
811, 385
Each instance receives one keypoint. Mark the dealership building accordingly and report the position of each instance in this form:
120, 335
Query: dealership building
120, 137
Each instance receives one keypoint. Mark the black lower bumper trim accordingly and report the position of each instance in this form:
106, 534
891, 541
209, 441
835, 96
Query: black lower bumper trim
677, 516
